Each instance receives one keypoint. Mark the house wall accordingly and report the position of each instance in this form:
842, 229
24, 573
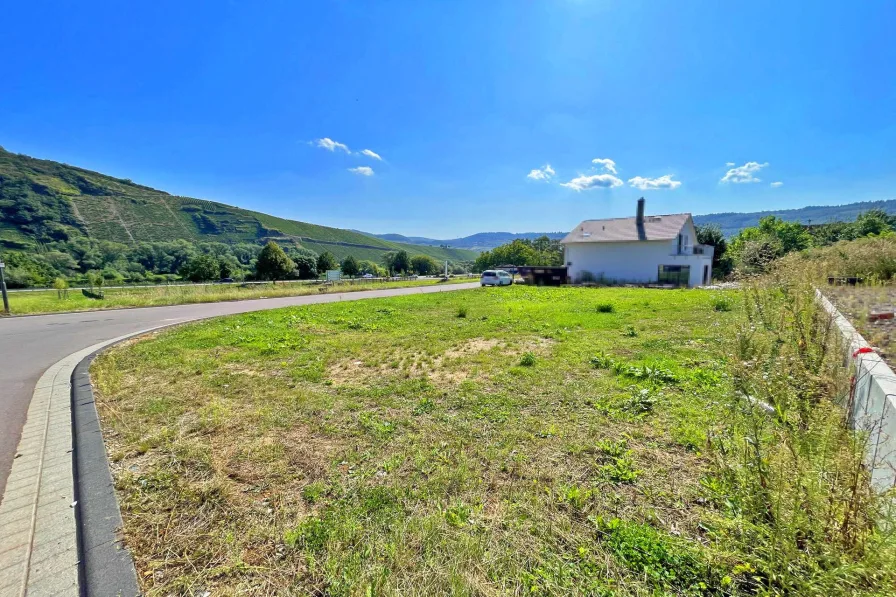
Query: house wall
635, 261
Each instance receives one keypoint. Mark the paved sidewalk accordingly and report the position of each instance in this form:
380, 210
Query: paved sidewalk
39, 550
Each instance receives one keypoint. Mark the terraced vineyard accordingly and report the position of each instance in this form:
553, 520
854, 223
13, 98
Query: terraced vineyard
76, 202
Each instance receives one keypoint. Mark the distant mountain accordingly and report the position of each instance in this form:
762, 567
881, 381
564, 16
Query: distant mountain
732, 222
481, 241
42, 199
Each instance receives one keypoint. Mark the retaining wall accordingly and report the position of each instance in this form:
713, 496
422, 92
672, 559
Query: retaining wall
872, 400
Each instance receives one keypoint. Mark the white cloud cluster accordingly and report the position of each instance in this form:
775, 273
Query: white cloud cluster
608, 164
544, 174
331, 145
362, 170
648, 184
777, 184
595, 181
744, 174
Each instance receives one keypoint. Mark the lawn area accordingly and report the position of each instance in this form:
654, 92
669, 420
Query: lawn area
499, 441
471, 443
30, 303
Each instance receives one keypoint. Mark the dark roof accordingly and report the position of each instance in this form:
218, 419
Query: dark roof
626, 229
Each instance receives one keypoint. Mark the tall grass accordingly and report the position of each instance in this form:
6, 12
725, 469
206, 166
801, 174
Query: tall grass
789, 472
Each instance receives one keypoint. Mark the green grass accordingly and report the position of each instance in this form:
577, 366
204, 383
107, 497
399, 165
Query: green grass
31, 303
392, 446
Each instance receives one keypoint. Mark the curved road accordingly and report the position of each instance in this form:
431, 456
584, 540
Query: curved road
29, 345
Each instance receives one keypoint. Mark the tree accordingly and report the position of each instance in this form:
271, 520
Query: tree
61, 286
518, 252
712, 235
349, 266
202, 268
872, 222
272, 263
397, 261
325, 262
369, 267
424, 265
306, 267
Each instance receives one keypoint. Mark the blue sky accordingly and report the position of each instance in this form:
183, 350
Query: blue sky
463, 101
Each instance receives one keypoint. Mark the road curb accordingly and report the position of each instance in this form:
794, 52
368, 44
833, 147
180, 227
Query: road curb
106, 566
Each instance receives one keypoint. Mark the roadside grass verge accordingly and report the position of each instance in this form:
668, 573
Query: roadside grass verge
535, 445
30, 303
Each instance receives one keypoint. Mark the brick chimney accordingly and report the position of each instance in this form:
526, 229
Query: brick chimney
640, 219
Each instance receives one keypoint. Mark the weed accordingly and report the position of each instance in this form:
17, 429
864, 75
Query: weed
602, 361
312, 535
426, 405
641, 402
665, 564
461, 311
606, 308
721, 303
313, 492
528, 360
630, 332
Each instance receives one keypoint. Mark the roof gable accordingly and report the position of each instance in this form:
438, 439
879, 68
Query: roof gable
627, 229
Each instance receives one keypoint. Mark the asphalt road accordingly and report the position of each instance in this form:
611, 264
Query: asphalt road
29, 345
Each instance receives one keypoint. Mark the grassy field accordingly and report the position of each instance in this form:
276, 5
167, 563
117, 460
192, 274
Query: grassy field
463, 444
502, 441
29, 303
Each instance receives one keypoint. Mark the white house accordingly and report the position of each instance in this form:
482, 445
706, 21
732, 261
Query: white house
640, 250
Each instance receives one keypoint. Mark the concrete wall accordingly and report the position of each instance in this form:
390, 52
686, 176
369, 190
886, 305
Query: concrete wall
635, 261
872, 402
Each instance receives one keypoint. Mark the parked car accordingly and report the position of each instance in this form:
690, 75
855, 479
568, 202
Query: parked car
226, 280
367, 275
495, 277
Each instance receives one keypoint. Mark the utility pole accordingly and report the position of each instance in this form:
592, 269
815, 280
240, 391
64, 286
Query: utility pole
3, 288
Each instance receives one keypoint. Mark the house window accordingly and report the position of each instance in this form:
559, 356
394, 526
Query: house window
676, 275
684, 243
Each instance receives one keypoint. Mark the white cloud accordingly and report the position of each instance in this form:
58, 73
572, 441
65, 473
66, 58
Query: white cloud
362, 170
608, 164
729, 164
744, 174
331, 145
584, 183
545, 173
371, 154
777, 184
646, 184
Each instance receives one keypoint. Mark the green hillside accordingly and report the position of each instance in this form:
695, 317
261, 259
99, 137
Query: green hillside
42, 201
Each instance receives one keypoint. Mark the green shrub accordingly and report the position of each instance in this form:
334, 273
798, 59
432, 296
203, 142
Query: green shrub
606, 308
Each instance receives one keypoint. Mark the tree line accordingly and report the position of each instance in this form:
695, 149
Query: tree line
82, 261
753, 249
